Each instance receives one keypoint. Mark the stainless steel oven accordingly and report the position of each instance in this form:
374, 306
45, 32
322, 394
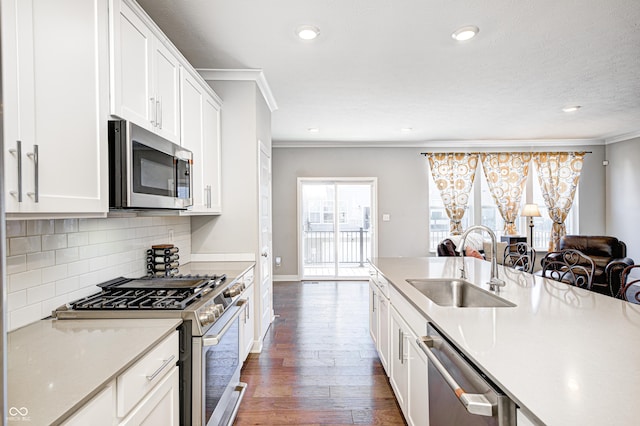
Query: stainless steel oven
460, 394
210, 307
216, 371
146, 170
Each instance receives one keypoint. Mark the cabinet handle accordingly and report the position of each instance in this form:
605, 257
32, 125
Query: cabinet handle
36, 175
400, 339
159, 112
154, 111
18, 153
209, 196
374, 303
164, 364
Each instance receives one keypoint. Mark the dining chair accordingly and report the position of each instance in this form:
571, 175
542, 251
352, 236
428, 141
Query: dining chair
569, 266
630, 284
520, 256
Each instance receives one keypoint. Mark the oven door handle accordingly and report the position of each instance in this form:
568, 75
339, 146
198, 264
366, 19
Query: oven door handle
216, 338
475, 403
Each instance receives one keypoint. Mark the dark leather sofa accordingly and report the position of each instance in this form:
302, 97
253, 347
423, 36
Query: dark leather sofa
609, 255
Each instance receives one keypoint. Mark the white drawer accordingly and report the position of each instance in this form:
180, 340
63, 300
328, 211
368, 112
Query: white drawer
414, 319
383, 285
247, 278
137, 381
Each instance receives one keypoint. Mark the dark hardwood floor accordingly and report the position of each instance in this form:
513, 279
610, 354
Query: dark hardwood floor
318, 365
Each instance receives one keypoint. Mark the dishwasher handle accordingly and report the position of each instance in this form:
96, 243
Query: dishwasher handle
475, 403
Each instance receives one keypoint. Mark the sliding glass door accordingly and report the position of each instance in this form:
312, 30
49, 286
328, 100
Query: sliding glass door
336, 227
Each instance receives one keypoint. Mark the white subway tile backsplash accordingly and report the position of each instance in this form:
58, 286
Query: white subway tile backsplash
16, 264
67, 255
66, 286
40, 293
54, 273
66, 226
16, 300
16, 228
23, 245
40, 227
24, 280
76, 239
78, 268
41, 259
25, 315
53, 262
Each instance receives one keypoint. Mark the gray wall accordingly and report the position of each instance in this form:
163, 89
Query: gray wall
402, 192
623, 198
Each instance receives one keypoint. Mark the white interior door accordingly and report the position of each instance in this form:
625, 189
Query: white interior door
266, 287
336, 227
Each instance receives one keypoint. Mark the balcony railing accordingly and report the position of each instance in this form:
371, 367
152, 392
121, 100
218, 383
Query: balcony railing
354, 247
540, 239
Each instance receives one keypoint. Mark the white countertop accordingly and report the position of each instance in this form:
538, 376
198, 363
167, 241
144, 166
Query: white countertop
565, 354
55, 366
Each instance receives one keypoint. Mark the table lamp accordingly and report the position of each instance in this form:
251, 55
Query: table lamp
531, 211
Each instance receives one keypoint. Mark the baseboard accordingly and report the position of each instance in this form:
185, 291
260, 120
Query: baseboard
286, 278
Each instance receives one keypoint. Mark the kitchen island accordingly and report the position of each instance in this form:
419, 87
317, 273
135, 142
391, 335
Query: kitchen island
563, 354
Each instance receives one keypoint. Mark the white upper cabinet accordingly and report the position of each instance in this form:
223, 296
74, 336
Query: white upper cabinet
55, 85
200, 111
145, 74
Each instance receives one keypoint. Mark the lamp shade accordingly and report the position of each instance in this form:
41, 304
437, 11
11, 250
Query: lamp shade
530, 210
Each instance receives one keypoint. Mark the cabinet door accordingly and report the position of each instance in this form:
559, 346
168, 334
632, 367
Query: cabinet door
418, 393
373, 312
101, 410
62, 138
131, 62
166, 92
399, 377
161, 406
384, 335
212, 172
193, 134
247, 324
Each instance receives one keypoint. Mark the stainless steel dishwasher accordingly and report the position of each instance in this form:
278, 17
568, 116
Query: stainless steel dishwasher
459, 393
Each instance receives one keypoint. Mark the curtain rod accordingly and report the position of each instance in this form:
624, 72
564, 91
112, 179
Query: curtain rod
497, 152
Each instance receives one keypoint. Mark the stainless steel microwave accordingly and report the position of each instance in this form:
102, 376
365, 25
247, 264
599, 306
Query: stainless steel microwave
147, 171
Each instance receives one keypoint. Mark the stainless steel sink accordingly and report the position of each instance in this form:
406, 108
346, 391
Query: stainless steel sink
458, 293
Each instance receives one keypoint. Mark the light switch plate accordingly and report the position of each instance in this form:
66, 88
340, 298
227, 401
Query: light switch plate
386, 217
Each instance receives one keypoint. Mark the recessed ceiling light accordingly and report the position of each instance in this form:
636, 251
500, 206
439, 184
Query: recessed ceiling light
313, 130
465, 33
307, 32
406, 129
572, 108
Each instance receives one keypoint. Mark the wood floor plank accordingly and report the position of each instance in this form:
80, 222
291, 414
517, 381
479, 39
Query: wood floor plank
318, 365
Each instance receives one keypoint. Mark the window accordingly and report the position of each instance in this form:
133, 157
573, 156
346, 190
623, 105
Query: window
487, 213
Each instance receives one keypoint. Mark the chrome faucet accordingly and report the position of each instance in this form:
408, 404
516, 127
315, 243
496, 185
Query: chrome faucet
494, 283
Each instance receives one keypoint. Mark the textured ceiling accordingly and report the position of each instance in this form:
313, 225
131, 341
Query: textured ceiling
382, 65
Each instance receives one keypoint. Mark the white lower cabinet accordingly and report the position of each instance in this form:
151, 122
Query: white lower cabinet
399, 377
384, 336
161, 406
373, 312
409, 370
523, 420
99, 411
247, 325
147, 393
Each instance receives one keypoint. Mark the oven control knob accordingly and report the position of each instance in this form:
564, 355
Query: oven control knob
218, 310
205, 318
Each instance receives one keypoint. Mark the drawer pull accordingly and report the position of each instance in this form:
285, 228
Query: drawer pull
164, 364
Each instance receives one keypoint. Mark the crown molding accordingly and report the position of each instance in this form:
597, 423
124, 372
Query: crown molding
443, 144
622, 138
256, 75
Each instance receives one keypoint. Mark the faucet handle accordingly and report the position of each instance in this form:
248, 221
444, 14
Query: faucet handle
496, 283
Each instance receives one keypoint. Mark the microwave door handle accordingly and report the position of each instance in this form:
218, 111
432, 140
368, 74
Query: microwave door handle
216, 338
475, 403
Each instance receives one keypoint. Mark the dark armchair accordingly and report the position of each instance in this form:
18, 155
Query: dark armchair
609, 255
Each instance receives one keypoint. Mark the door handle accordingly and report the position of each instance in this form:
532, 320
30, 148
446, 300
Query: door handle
475, 403
265, 254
